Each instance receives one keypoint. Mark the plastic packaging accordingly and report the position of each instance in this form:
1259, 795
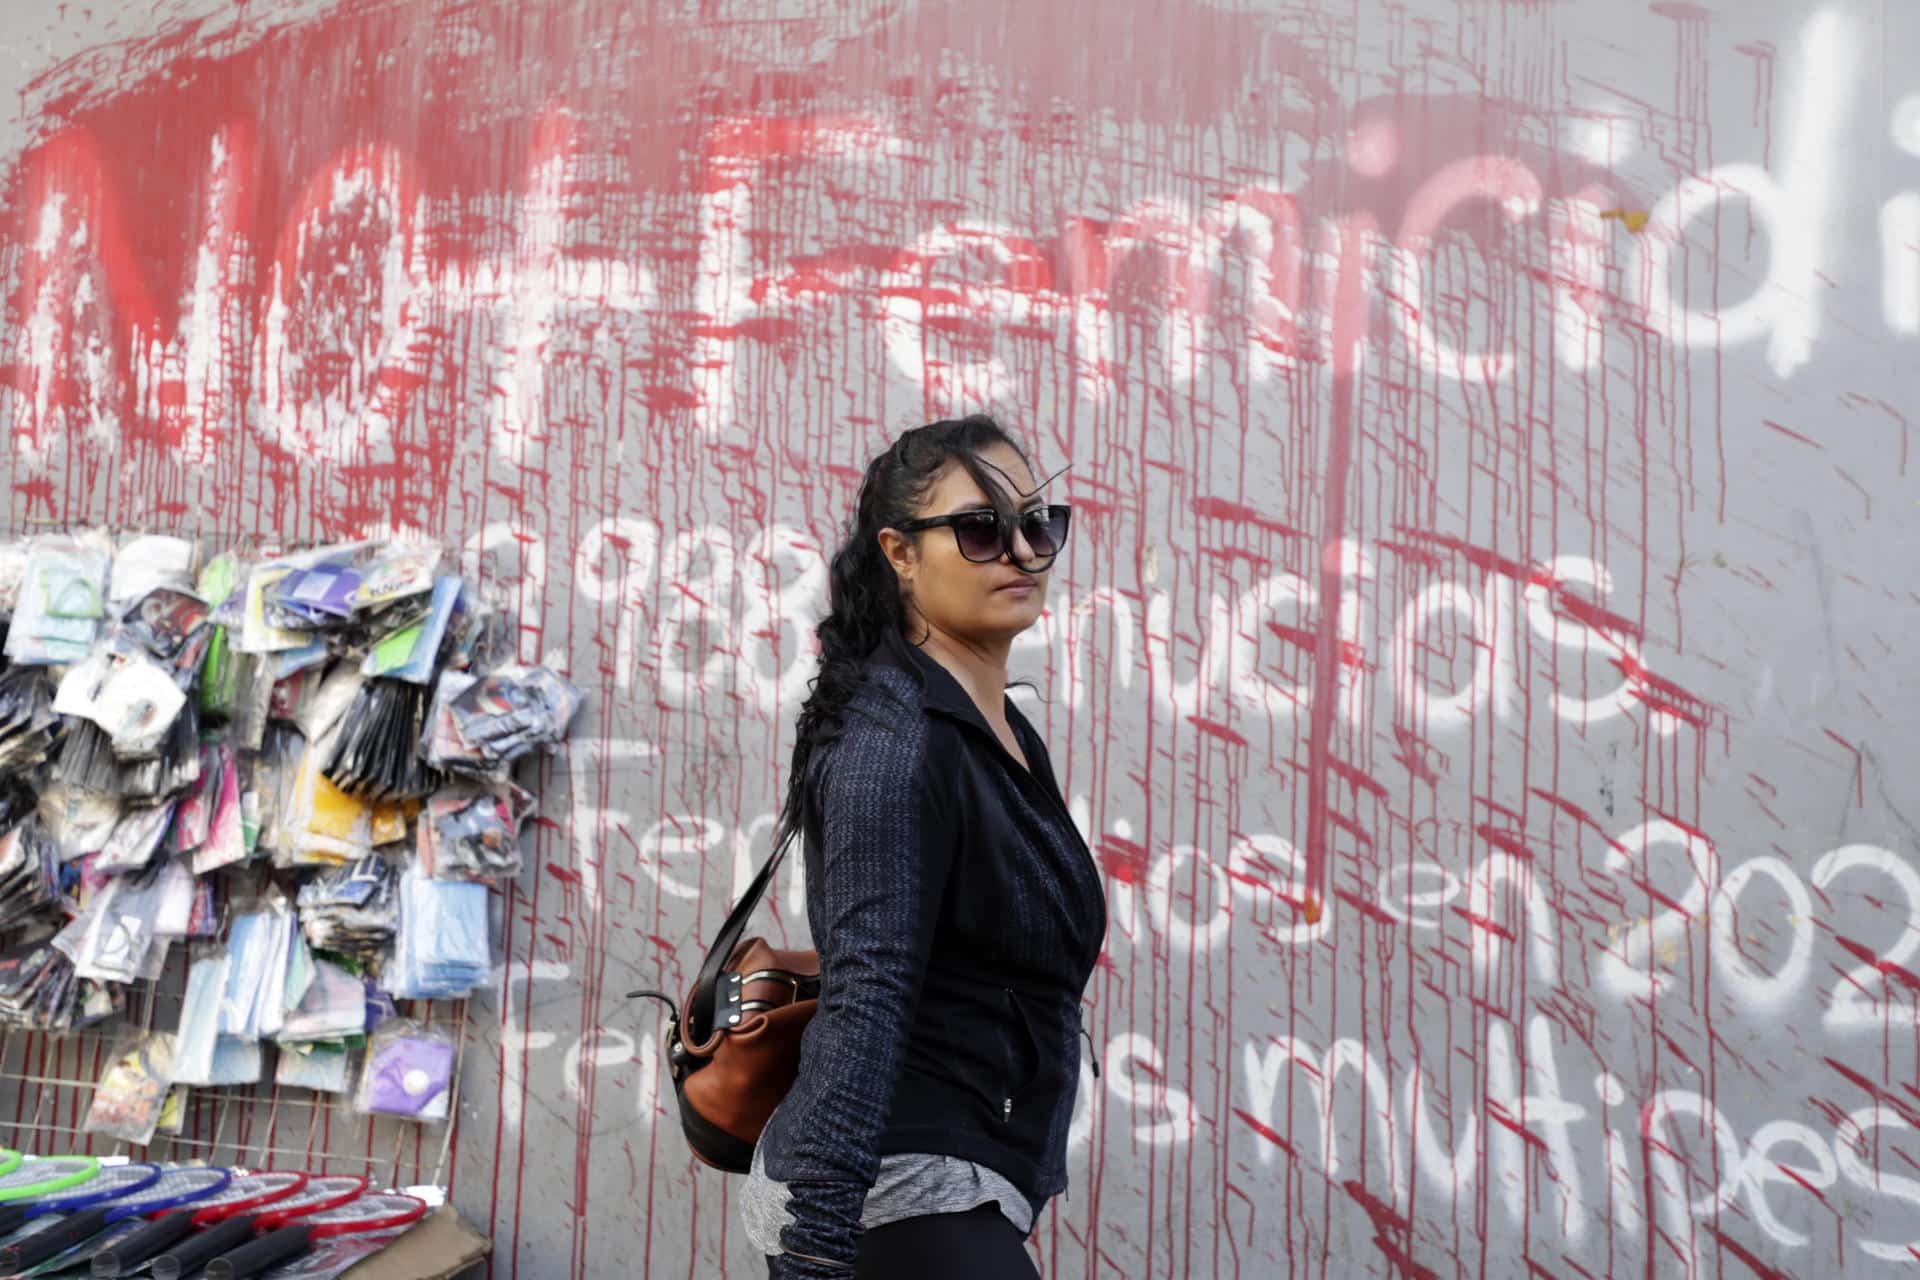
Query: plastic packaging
473, 833
333, 1008
110, 939
225, 844
29, 872
27, 718
408, 1072
260, 952
61, 601
353, 909
442, 949
324, 1068
376, 755
144, 563
483, 724
132, 1091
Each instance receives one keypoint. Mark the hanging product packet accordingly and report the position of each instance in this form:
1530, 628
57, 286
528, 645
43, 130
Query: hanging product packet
353, 909
136, 838
29, 871
27, 718
133, 1090
376, 754
442, 948
260, 957
13, 572
472, 833
322, 1067
322, 594
225, 843
333, 1008
145, 563
112, 937
219, 587
79, 820
199, 1033
62, 599
408, 1072
482, 724
409, 654
398, 573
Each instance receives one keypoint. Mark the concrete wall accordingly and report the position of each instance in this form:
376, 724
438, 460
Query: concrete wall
1482, 662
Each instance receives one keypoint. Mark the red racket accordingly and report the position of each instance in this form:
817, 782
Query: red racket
317, 1196
246, 1193
277, 1244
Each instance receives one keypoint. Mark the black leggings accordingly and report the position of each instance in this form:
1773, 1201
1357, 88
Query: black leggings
979, 1244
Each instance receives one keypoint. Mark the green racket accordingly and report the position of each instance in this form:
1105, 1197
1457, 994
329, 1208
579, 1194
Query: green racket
32, 1179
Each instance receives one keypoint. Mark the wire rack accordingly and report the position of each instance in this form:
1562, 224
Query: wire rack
47, 1080
47, 1083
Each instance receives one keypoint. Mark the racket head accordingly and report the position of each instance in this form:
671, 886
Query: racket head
319, 1195
110, 1182
246, 1193
375, 1211
35, 1179
187, 1184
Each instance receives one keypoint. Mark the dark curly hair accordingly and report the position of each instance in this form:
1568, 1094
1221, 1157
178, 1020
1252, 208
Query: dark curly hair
864, 605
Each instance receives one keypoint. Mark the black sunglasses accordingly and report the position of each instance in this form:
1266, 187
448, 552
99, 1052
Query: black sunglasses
984, 537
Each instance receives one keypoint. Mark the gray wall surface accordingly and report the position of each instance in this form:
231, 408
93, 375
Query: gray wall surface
1481, 664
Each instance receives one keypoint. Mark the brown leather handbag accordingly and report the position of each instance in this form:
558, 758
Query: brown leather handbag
733, 1047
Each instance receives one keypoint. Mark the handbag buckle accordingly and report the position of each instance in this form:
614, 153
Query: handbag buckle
729, 1000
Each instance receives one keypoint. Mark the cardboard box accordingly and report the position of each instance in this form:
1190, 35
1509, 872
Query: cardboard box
441, 1246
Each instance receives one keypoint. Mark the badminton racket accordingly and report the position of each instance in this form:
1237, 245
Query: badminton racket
38, 1178
246, 1193
230, 1233
106, 1184
379, 1212
173, 1188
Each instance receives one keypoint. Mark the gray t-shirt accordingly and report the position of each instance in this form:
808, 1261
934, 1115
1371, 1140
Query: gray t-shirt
909, 1186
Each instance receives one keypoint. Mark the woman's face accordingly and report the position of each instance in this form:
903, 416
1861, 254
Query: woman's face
959, 596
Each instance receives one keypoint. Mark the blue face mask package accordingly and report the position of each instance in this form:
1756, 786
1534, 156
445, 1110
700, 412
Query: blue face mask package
442, 950
62, 600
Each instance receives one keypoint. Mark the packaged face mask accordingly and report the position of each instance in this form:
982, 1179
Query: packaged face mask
333, 1008
61, 601
443, 947
320, 1067
408, 1072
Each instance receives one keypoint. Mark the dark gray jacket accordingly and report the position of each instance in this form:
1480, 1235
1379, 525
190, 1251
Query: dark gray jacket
958, 915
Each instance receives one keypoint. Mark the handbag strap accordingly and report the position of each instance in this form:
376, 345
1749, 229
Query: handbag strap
693, 1032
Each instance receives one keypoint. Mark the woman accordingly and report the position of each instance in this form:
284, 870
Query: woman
956, 909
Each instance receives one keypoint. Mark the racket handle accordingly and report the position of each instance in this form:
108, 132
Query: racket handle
13, 1217
134, 1248
195, 1252
262, 1255
58, 1238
